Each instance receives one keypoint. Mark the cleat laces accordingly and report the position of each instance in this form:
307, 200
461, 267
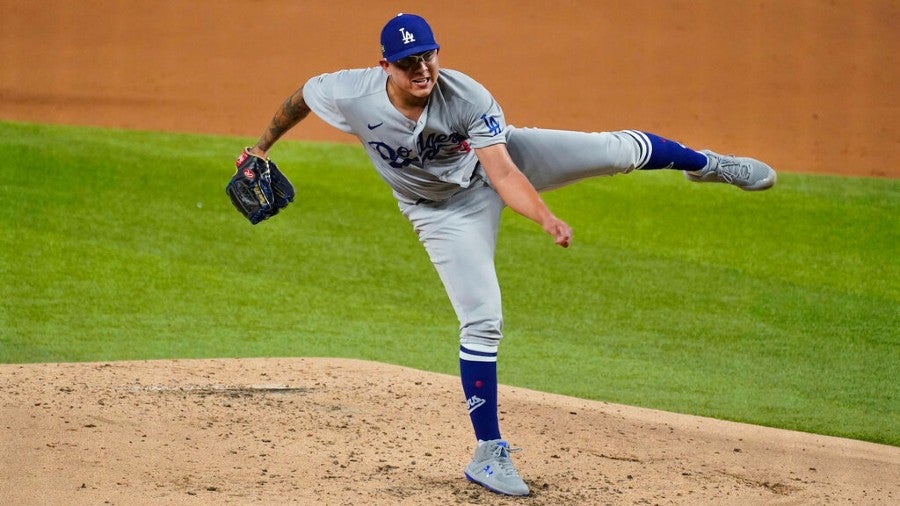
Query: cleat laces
501, 453
730, 170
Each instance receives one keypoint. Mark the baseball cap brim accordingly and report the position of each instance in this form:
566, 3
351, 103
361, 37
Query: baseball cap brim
411, 51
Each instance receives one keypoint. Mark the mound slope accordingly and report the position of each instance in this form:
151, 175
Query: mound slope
336, 431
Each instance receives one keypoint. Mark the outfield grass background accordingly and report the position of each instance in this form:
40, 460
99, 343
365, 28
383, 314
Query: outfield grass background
779, 308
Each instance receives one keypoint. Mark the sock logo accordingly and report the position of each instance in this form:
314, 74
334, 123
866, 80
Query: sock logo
474, 403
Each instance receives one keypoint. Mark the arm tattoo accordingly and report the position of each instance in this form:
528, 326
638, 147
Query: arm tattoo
292, 111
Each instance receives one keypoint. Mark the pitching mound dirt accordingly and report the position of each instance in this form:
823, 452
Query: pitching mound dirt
325, 431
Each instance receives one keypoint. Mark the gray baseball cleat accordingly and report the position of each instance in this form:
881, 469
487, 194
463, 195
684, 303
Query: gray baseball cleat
745, 173
492, 468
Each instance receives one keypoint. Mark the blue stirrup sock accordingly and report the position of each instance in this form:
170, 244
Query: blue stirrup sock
660, 153
478, 372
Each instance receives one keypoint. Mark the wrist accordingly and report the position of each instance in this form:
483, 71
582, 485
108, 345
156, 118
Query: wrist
257, 151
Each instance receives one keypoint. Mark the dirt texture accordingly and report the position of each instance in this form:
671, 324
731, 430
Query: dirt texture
806, 85
326, 431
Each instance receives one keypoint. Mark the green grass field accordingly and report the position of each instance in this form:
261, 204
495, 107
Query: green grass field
779, 308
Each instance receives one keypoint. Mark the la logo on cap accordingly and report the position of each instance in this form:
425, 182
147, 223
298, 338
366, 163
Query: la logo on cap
406, 36
415, 36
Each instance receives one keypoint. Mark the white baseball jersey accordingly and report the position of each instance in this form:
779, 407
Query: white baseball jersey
431, 159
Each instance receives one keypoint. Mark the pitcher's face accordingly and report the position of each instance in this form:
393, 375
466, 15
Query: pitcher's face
414, 75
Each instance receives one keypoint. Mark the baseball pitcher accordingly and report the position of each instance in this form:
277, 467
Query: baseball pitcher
441, 143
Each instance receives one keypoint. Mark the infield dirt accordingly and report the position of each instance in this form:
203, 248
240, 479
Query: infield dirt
326, 431
804, 85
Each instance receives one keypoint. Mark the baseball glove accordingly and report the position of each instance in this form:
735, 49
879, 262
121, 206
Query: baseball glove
258, 189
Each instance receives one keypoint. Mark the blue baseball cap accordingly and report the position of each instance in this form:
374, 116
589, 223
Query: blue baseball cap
404, 35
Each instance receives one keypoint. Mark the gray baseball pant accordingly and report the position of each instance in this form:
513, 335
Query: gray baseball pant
460, 234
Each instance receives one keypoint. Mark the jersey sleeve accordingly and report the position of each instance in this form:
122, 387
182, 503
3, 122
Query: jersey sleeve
321, 95
487, 128
484, 118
